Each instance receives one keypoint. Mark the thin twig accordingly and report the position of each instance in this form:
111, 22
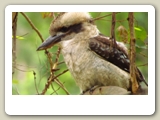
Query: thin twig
143, 54
143, 65
24, 66
34, 73
60, 63
58, 54
59, 74
23, 70
50, 80
61, 85
103, 16
32, 25
54, 91
57, 58
24, 35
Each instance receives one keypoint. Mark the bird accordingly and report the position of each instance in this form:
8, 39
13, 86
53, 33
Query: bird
90, 56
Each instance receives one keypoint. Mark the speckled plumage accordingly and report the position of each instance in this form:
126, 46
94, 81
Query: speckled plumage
89, 69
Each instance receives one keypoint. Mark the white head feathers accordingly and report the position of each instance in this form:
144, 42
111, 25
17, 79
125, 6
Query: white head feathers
68, 19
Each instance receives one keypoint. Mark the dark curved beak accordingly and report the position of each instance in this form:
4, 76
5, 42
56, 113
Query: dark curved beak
50, 41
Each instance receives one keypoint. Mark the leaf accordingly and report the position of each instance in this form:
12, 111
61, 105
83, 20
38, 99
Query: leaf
140, 33
19, 37
47, 14
122, 34
15, 81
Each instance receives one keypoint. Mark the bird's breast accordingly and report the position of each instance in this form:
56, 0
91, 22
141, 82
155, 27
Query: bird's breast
89, 70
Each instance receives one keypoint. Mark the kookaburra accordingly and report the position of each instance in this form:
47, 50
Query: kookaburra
90, 56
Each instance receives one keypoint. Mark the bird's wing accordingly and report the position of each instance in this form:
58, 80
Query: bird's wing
118, 55
103, 46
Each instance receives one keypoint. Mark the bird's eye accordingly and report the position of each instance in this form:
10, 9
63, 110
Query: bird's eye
63, 29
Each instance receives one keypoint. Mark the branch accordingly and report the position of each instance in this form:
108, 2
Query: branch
103, 16
32, 25
61, 84
14, 27
113, 27
132, 53
50, 80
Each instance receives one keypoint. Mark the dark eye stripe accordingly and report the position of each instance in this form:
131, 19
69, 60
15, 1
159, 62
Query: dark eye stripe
73, 28
64, 29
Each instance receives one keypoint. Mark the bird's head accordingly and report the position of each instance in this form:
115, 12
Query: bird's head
70, 26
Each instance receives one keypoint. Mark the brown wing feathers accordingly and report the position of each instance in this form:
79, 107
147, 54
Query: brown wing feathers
102, 46
118, 55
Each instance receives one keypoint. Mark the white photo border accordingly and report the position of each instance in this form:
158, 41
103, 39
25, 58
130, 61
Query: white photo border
78, 104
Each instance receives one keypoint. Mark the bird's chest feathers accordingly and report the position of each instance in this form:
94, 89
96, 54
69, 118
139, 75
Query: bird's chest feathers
88, 69
74, 56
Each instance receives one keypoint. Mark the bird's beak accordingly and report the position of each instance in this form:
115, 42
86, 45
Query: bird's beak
50, 41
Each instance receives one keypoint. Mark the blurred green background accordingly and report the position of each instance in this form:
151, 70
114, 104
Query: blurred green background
29, 60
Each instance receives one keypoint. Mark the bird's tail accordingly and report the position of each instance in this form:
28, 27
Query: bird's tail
140, 77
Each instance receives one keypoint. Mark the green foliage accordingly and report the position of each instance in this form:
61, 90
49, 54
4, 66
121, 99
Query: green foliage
15, 81
140, 33
19, 37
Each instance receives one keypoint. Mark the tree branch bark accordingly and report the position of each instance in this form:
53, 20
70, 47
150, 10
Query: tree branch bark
14, 28
113, 29
132, 53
